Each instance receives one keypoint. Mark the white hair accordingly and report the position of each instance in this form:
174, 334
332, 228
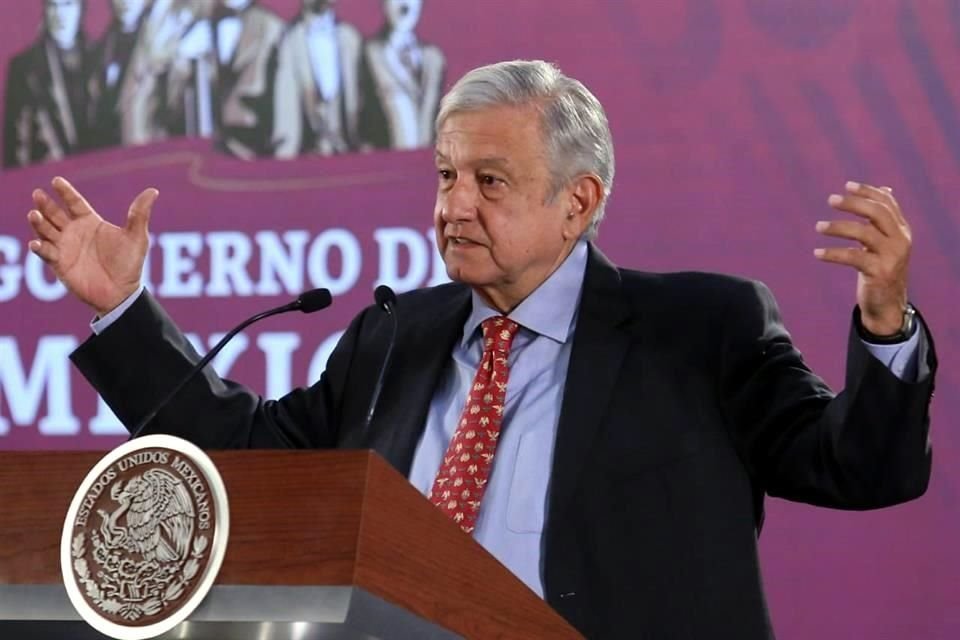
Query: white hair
575, 129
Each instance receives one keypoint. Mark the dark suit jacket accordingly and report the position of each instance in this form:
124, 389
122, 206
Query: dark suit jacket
685, 403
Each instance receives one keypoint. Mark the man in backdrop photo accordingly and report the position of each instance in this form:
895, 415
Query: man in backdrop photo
401, 82
47, 97
110, 82
316, 95
608, 434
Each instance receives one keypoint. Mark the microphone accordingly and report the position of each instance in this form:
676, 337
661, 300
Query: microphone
386, 299
307, 302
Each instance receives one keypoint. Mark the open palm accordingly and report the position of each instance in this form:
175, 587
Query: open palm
99, 262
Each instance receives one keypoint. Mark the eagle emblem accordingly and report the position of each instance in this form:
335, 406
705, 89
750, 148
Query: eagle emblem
144, 537
157, 516
146, 549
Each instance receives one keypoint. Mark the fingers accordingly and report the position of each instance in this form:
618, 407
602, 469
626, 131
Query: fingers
865, 234
42, 226
883, 195
50, 209
851, 256
892, 201
138, 216
885, 269
857, 201
46, 250
77, 205
883, 234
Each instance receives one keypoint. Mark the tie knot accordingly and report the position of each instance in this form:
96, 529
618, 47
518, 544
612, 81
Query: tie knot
498, 333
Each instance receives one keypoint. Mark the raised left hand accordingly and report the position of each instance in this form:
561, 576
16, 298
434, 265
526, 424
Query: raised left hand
882, 257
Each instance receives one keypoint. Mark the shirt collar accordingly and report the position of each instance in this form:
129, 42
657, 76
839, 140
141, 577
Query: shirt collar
548, 311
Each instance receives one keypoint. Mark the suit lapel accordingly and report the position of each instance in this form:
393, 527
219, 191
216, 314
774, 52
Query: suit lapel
600, 343
249, 43
424, 345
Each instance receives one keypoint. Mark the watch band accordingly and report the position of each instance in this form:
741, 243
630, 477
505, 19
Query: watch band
907, 329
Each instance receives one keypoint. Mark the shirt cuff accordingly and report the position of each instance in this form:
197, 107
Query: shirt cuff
99, 325
900, 358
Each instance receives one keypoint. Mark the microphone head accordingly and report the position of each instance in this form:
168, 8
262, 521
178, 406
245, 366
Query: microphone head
314, 300
385, 298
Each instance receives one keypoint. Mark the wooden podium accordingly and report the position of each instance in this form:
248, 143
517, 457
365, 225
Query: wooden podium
323, 544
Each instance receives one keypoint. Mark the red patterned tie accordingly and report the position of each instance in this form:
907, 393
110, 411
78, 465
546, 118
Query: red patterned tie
465, 468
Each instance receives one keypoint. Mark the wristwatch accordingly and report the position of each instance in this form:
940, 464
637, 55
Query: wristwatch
906, 329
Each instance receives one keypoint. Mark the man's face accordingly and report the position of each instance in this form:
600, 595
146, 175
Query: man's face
495, 230
128, 12
318, 6
402, 15
63, 21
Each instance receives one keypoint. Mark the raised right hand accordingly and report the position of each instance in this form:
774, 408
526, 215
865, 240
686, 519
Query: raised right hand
100, 263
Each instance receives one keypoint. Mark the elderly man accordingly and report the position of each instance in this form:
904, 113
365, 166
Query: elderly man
620, 429
46, 97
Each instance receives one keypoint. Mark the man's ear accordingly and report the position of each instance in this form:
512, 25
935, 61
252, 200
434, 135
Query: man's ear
584, 196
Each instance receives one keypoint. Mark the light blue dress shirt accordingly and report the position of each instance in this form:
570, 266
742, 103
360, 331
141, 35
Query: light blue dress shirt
514, 505
513, 511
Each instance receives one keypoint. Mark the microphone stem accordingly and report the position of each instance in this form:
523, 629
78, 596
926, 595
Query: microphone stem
375, 397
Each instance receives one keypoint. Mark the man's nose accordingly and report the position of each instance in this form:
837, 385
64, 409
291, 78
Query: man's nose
462, 201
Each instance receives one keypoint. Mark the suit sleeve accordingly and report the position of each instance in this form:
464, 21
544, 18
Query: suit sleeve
141, 356
865, 447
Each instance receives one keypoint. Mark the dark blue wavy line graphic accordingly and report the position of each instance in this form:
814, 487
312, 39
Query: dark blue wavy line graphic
928, 74
690, 59
843, 143
801, 24
776, 131
954, 9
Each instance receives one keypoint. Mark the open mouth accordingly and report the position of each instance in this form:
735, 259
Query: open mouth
462, 242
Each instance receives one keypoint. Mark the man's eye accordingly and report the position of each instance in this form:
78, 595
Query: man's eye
445, 174
489, 180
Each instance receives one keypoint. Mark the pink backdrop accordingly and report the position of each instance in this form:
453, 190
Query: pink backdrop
732, 120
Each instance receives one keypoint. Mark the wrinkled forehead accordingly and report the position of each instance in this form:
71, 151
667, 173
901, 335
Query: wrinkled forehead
508, 125
506, 138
